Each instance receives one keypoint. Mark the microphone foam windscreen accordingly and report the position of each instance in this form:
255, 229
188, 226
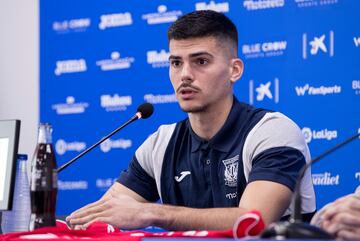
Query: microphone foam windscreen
146, 110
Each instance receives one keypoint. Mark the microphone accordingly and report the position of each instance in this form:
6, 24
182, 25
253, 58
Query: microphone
296, 228
144, 111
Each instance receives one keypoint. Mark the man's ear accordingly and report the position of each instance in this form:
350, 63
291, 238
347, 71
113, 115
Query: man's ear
237, 68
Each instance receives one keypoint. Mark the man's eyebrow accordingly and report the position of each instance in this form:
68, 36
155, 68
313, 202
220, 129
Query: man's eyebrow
174, 57
193, 55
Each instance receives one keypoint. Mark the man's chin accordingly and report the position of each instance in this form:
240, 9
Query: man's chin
192, 109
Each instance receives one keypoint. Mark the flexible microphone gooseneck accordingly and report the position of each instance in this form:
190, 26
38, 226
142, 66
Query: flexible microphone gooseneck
296, 228
144, 111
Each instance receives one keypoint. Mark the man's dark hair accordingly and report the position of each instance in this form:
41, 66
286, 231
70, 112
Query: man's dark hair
204, 23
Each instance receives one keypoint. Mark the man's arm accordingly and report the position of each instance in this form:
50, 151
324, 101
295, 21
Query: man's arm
123, 208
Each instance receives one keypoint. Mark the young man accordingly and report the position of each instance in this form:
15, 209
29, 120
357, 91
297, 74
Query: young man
225, 159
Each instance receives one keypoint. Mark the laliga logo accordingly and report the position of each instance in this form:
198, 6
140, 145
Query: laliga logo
325, 134
62, 146
307, 134
109, 144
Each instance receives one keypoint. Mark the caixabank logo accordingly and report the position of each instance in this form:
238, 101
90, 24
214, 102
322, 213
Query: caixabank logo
253, 5
264, 49
115, 20
162, 16
115, 62
222, 7
264, 91
70, 107
318, 44
323, 134
71, 25
314, 3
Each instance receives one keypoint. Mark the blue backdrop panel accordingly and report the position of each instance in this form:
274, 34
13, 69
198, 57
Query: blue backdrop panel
100, 60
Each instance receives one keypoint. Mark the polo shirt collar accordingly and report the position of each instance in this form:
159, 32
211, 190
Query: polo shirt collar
222, 141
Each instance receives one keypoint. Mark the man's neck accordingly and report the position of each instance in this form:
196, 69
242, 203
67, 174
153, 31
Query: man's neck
206, 124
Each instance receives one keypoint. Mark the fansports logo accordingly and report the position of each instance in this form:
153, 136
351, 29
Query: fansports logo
318, 45
115, 102
356, 86
115, 62
322, 90
268, 90
109, 144
160, 99
324, 134
162, 16
62, 146
70, 107
325, 179
70, 66
72, 25
158, 59
314, 3
252, 5
212, 5
357, 41
72, 185
115, 20
266, 49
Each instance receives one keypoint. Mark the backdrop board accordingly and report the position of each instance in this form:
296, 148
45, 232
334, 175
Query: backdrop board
100, 59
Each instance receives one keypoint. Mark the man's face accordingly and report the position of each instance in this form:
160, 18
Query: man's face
201, 73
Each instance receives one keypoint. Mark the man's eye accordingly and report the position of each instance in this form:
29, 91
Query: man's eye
175, 63
202, 61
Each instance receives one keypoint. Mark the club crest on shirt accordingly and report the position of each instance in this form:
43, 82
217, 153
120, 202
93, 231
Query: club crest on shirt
231, 171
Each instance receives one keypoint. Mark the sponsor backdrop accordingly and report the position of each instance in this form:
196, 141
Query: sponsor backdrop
100, 60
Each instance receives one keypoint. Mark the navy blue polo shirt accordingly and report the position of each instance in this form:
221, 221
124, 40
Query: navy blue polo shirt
180, 168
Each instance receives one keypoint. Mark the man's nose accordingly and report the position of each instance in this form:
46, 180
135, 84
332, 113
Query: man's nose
187, 73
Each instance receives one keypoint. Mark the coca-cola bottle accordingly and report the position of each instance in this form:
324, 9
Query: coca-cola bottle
43, 181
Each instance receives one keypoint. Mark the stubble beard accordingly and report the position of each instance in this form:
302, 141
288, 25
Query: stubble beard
194, 109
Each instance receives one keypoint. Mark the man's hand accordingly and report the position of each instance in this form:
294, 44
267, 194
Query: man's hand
341, 218
119, 207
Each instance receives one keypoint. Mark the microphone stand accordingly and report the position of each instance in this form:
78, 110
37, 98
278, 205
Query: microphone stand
296, 228
134, 118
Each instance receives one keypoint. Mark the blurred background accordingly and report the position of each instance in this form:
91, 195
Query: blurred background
85, 66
